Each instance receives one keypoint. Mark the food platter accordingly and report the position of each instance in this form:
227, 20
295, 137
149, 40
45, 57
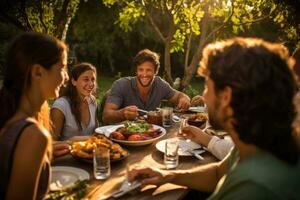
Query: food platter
109, 130
83, 150
90, 160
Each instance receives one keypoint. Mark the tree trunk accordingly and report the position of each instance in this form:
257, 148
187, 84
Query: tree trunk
111, 64
189, 71
167, 62
62, 22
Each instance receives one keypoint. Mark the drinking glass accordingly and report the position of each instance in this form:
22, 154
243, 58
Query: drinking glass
154, 117
171, 153
167, 113
183, 123
101, 161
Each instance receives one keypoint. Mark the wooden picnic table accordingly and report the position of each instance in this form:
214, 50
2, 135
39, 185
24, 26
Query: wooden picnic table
142, 155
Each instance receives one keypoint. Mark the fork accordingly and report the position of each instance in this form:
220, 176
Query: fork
143, 111
196, 154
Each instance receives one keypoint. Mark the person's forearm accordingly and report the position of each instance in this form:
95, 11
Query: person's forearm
56, 134
113, 116
182, 95
203, 139
204, 178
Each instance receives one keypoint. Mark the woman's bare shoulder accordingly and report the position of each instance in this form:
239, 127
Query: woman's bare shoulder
35, 131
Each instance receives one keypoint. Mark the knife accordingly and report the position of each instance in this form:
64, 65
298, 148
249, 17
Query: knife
197, 155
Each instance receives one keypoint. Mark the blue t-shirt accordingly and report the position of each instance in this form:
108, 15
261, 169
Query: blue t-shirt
124, 92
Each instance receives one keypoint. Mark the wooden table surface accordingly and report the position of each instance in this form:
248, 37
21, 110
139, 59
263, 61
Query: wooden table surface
141, 155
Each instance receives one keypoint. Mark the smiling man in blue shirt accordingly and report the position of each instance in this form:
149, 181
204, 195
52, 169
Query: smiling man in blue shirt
145, 91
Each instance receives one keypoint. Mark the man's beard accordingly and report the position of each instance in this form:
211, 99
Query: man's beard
147, 85
213, 119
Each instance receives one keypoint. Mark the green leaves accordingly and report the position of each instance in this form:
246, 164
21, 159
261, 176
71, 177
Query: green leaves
130, 15
187, 25
46, 16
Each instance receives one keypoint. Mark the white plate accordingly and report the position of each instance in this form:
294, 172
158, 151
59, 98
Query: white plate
184, 145
107, 130
197, 109
63, 176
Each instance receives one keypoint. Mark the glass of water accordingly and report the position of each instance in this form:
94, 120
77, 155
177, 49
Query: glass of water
171, 153
183, 123
101, 161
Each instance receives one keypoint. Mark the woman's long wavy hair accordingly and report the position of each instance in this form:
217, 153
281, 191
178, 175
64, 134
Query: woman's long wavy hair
71, 92
263, 86
26, 50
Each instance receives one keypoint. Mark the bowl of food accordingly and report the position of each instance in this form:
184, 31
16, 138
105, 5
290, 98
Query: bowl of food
133, 133
197, 119
83, 150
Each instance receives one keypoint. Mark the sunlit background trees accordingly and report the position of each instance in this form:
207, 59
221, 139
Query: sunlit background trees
109, 33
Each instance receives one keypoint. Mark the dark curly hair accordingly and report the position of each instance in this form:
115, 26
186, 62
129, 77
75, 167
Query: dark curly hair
71, 92
144, 56
263, 86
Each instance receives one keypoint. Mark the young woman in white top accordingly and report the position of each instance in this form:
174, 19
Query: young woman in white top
74, 113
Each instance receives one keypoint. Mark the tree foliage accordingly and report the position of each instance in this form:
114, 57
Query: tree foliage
94, 37
46, 16
188, 25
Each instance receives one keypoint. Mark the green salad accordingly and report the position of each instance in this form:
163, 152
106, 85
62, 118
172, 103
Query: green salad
137, 126
75, 191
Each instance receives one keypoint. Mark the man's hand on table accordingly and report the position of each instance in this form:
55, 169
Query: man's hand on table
183, 104
198, 99
148, 176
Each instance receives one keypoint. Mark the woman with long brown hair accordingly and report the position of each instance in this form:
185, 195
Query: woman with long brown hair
74, 113
34, 71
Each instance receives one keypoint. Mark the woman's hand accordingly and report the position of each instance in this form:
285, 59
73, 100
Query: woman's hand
60, 148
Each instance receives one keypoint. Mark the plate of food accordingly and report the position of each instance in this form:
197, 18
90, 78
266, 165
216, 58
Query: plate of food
83, 150
197, 119
64, 176
133, 133
185, 147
